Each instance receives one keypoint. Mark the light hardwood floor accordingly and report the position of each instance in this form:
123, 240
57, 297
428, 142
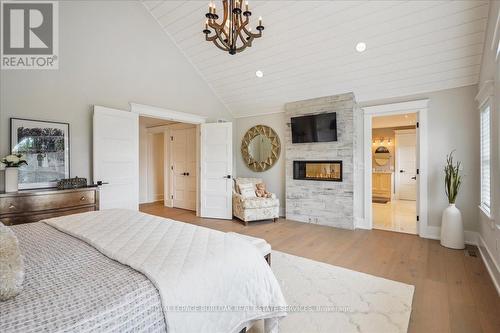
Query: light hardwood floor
453, 291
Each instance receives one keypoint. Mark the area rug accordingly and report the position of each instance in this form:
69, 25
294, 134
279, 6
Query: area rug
327, 298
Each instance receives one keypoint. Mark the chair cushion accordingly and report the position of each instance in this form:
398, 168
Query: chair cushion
240, 180
250, 203
247, 191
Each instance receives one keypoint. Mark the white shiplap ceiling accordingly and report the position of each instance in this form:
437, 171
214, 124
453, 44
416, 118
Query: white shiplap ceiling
308, 49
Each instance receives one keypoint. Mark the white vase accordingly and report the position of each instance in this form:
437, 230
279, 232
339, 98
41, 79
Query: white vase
452, 228
11, 179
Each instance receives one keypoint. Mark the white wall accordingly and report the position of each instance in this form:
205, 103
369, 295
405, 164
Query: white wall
151, 165
156, 167
111, 53
453, 124
489, 229
274, 177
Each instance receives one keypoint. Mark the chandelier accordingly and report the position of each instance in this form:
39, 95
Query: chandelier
232, 34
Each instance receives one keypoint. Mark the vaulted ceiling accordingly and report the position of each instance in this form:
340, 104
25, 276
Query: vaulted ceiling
308, 49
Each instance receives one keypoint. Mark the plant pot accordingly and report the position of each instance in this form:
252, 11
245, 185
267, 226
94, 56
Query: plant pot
452, 228
11, 179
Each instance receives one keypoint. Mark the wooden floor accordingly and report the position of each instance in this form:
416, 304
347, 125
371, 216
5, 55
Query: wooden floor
453, 291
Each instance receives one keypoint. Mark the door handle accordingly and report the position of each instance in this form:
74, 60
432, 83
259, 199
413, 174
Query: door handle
414, 178
187, 173
228, 177
401, 171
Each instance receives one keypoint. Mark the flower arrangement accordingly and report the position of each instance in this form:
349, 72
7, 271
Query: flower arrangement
13, 161
452, 178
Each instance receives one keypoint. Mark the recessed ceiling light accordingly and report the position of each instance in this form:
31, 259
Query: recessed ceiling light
361, 47
259, 73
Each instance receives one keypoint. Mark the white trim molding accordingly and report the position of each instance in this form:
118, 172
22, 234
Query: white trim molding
417, 106
486, 91
157, 112
434, 232
397, 108
489, 261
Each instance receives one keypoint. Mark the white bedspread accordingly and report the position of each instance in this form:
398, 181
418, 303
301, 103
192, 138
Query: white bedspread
209, 281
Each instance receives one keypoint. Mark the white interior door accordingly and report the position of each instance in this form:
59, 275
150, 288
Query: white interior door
116, 151
183, 157
406, 160
216, 170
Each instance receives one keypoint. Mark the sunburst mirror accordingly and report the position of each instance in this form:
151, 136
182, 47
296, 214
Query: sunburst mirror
260, 148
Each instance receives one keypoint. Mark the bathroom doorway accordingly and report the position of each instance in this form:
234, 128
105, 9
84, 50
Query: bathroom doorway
394, 172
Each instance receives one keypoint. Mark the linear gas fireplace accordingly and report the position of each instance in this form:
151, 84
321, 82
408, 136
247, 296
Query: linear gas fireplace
318, 170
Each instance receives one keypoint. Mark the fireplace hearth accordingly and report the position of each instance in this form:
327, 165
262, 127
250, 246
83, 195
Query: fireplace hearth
318, 170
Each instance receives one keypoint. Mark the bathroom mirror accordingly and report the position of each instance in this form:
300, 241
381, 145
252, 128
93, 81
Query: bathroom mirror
260, 148
382, 156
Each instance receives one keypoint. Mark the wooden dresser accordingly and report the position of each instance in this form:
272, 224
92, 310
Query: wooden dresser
35, 205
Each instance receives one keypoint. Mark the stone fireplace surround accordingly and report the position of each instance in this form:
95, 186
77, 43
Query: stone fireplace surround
331, 203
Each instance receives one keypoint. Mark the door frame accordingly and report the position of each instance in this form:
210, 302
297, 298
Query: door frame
397, 155
419, 107
181, 117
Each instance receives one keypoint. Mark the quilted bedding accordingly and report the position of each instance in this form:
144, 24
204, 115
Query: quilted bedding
208, 281
71, 287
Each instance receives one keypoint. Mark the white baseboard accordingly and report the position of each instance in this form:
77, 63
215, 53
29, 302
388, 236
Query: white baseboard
434, 232
155, 198
359, 223
491, 265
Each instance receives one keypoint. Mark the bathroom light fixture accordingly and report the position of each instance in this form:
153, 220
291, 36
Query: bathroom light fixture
259, 74
361, 47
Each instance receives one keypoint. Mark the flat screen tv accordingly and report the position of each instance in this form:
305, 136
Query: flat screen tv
314, 128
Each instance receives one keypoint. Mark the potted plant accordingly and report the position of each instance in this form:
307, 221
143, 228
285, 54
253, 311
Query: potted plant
12, 162
452, 228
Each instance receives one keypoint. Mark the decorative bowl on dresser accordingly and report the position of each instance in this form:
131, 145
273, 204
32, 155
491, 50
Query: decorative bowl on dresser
35, 205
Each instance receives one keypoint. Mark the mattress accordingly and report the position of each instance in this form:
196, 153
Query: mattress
71, 287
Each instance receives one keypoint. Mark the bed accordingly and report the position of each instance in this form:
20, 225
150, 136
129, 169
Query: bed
75, 281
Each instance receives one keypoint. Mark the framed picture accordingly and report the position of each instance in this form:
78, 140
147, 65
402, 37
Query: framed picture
45, 145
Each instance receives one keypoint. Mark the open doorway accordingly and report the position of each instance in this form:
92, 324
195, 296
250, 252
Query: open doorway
167, 163
394, 172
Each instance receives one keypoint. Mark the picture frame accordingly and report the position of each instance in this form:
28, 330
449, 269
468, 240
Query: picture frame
45, 145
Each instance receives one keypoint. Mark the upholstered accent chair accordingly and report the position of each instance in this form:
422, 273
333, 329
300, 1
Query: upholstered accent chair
250, 209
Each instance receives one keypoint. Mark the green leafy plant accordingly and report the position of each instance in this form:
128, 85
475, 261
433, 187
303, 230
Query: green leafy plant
13, 161
452, 179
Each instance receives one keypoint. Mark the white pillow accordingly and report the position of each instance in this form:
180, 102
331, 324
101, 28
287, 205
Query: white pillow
247, 190
11, 264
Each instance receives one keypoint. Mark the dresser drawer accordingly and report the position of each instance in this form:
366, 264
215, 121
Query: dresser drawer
31, 203
28, 218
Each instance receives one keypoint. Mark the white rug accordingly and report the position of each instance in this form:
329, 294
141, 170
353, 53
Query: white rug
353, 301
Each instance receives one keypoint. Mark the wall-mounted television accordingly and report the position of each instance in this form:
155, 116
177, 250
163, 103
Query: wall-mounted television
314, 128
